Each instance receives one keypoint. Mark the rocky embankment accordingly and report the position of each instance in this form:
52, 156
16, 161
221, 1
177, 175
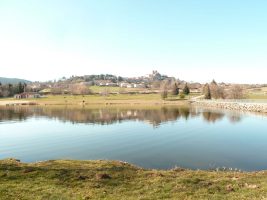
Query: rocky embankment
244, 106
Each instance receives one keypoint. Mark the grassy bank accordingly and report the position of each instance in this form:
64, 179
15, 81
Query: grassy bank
116, 180
149, 99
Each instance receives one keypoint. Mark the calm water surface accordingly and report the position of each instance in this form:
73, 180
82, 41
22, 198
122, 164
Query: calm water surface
162, 137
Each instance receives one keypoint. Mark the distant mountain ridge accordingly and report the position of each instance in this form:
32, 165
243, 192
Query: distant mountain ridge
4, 80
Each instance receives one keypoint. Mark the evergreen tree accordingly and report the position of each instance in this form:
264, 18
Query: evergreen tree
20, 88
1, 91
213, 82
175, 89
120, 79
10, 91
186, 89
24, 87
207, 93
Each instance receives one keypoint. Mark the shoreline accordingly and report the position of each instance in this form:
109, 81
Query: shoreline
95, 100
255, 107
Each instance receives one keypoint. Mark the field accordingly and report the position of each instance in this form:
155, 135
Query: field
63, 179
112, 99
257, 93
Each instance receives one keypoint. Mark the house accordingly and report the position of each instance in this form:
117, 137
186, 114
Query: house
27, 95
126, 85
46, 91
140, 85
129, 86
111, 84
106, 83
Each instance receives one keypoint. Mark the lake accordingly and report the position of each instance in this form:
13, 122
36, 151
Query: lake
156, 137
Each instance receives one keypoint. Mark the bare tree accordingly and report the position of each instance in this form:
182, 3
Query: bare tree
163, 90
79, 89
236, 92
217, 92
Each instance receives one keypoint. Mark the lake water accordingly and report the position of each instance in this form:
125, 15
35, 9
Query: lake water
159, 137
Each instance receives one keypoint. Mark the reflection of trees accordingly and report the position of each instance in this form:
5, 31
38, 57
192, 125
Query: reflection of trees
212, 116
97, 115
234, 118
109, 115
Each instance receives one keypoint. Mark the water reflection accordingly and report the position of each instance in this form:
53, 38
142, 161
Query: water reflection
109, 115
212, 116
196, 138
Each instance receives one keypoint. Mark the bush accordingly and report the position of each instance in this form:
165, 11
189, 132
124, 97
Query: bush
182, 96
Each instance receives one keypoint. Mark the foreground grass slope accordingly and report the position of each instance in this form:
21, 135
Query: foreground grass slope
63, 179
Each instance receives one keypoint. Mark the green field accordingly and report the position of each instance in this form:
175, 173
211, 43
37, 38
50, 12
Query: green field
117, 180
256, 96
257, 93
151, 99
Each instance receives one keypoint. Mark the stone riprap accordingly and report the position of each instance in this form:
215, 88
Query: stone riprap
244, 106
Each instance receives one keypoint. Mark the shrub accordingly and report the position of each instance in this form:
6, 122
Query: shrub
182, 96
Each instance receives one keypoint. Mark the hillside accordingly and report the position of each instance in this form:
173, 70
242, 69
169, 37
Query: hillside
13, 80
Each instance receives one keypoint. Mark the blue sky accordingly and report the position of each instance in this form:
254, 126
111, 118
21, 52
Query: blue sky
194, 40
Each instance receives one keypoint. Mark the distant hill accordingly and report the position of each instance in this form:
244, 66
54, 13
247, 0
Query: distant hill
13, 80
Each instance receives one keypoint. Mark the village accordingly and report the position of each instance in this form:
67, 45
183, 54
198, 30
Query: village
105, 84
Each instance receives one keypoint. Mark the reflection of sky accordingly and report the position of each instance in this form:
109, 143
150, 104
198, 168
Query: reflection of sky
187, 143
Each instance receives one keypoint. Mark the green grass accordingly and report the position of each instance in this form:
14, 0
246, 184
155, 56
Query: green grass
150, 99
63, 179
256, 96
257, 93
97, 89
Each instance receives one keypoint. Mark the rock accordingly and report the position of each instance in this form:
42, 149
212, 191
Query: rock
103, 176
179, 169
245, 106
28, 170
235, 178
229, 188
251, 186
82, 177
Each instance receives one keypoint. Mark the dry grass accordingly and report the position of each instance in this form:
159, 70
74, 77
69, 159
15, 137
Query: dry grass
62, 179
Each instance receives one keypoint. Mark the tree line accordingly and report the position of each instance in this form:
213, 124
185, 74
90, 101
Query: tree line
215, 91
174, 90
9, 90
